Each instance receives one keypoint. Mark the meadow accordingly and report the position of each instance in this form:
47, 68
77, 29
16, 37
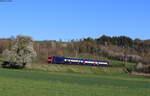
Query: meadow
66, 82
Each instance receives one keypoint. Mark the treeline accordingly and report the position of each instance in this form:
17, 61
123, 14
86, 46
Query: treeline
122, 41
125, 42
5, 44
117, 48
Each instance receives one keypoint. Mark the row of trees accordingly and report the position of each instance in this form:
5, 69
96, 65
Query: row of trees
118, 48
122, 41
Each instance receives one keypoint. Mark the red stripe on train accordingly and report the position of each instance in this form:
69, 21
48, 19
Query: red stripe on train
49, 59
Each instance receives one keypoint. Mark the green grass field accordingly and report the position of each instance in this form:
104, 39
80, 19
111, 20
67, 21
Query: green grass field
45, 83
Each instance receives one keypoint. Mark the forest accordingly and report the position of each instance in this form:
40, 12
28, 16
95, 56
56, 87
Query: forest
120, 48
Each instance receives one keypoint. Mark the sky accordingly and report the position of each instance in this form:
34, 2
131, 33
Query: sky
75, 19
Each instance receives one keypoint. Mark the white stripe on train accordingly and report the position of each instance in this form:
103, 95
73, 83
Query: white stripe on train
90, 62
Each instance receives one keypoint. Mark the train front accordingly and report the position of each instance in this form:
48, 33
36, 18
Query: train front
50, 59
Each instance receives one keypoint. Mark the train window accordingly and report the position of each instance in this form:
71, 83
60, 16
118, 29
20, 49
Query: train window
49, 57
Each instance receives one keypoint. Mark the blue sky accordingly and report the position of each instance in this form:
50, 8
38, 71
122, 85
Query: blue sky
75, 19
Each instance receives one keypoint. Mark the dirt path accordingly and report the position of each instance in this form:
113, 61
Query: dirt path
140, 74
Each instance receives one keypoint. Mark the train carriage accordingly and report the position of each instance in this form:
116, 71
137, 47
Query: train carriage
76, 61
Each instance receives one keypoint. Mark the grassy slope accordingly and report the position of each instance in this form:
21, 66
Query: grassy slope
77, 69
41, 83
71, 80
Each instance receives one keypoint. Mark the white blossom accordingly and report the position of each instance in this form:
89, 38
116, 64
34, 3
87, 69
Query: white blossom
22, 52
